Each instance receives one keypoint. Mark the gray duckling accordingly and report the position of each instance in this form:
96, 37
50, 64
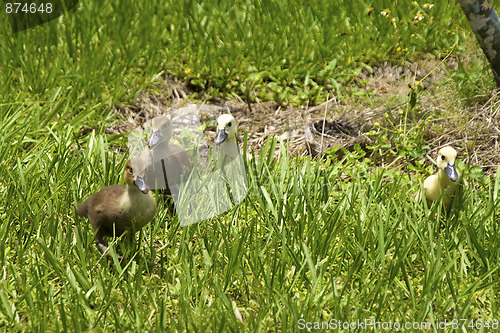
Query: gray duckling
164, 158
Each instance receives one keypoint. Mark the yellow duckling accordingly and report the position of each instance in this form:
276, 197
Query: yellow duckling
226, 133
230, 162
117, 208
445, 180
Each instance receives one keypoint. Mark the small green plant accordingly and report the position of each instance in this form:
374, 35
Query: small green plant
402, 133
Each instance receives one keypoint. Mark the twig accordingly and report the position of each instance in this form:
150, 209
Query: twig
323, 130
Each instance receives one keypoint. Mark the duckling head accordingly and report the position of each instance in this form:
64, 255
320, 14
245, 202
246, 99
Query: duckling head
446, 162
161, 131
226, 129
134, 174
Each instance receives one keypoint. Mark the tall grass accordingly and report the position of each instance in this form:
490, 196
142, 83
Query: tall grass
313, 240
105, 51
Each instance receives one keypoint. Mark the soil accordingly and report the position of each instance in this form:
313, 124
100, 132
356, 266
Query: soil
473, 132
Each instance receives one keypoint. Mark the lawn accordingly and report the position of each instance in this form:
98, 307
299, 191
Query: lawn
331, 240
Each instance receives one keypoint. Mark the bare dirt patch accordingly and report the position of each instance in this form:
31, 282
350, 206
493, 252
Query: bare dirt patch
472, 130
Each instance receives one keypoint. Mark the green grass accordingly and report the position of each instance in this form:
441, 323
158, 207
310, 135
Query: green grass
314, 240
287, 50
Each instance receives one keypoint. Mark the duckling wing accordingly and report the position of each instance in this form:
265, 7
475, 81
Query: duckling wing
105, 210
181, 159
432, 188
128, 209
168, 168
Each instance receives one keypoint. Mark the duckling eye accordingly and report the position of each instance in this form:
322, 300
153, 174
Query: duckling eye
131, 170
442, 157
229, 124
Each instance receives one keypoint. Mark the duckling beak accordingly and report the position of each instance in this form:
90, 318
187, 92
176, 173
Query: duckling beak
221, 136
451, 171
154, 138
141, 184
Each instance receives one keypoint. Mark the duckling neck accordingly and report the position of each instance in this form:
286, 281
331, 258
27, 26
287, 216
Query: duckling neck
162, 148
444, 180
137, 206
135, 199
132, 190
231, 146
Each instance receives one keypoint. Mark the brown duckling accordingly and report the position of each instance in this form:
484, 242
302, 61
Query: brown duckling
117, 208
167, 162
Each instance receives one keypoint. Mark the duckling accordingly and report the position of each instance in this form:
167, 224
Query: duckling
117, 208
218, 181
167, 163
227, 128
445, 180
230, 163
